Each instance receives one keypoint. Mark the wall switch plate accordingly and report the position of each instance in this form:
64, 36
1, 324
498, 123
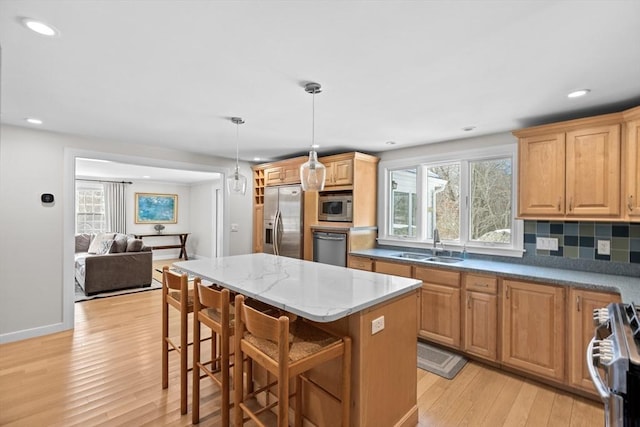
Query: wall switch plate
377, 325
234, 227
604, 247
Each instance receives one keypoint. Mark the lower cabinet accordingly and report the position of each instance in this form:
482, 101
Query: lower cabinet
393, 268
439, 306
533, 328
360, 263
480, 316
581, 304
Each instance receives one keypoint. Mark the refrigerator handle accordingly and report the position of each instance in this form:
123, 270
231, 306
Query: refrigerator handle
280, 230
275, 232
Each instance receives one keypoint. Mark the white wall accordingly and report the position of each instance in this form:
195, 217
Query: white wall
184, 217
36, 241
203, 219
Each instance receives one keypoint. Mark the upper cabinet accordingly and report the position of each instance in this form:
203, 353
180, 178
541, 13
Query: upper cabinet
339, 172
284, 172
358, 173
574, 169
631, 194
592, 185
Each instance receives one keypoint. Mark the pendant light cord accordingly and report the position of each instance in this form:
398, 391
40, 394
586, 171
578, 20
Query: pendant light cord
237, 139
313, 120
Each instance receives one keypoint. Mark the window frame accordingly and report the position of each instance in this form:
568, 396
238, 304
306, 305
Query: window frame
464, 158
86, 186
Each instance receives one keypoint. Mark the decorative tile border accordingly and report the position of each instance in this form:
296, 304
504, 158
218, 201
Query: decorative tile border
579, 240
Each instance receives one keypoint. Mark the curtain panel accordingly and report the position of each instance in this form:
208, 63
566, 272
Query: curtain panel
115, 207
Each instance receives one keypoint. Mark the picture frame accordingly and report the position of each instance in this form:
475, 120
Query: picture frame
156, 208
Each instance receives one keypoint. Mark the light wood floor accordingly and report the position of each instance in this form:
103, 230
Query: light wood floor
107, 372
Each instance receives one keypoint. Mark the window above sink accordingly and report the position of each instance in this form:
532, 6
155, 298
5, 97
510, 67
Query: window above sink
468, 196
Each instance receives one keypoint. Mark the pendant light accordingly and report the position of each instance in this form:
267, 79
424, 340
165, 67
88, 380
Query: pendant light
237, 183
312, 172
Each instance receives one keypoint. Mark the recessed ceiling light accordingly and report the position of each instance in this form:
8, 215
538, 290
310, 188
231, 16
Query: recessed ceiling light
40, 27
578, 93
315, 146
468, 128
256, 159
146, 176
390, 143
33, 121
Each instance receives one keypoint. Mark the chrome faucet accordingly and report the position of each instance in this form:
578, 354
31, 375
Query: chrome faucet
436, 240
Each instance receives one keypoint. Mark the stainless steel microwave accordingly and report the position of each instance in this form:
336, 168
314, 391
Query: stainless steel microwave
335, 207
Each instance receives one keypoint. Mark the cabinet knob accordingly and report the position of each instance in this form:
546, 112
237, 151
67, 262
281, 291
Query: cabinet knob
570, 204
630, 204
559, 204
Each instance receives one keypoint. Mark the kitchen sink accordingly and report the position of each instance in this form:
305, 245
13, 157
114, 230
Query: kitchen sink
443, 259
428, 257
412, 255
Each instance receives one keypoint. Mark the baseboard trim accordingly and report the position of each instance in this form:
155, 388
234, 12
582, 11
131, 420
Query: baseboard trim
32, 333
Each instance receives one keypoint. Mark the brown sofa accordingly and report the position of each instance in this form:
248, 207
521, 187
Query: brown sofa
111, 261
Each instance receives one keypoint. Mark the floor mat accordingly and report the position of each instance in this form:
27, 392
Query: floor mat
439, 361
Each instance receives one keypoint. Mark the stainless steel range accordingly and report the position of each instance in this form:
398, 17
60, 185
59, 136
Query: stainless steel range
616, 349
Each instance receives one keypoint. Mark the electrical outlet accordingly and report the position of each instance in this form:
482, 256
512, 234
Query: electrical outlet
547, 243
377, 325
604, 247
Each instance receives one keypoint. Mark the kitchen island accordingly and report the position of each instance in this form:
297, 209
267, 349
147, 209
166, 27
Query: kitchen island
346, 301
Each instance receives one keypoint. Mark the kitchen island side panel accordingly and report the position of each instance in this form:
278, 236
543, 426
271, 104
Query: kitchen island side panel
383, 371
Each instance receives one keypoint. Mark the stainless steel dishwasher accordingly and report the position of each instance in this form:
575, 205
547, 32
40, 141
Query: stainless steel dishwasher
330, 248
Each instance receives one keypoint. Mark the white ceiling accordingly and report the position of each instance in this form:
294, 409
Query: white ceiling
171, 73
96, 169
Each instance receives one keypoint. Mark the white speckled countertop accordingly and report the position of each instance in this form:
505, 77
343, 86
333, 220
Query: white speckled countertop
315, 291
627, 287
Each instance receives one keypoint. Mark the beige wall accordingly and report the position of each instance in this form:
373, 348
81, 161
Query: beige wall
36, 241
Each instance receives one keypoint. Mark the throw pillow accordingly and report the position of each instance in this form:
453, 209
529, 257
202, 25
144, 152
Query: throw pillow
105, 247
82, 242
134, 245
96, 243
119, 244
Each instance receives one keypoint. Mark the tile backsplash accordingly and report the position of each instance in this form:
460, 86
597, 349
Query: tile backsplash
579, 240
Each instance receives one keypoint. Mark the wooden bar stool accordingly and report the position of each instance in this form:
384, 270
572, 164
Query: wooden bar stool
176, 294
212, 309
286, 351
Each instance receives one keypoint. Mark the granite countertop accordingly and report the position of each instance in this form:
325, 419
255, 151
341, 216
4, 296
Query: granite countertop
628, 287
312, 290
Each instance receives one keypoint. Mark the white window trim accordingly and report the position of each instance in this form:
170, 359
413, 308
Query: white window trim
462, 156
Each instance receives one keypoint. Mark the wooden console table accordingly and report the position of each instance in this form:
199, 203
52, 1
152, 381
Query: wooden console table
182, 245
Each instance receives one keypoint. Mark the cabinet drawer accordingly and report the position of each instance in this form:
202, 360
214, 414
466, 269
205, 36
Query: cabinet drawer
478, 283
439, 277
361, 263
393, 268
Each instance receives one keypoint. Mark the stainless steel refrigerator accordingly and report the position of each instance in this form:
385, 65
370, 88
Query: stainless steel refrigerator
283, 210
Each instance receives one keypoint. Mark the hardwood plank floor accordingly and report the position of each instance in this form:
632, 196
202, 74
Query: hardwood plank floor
107, 372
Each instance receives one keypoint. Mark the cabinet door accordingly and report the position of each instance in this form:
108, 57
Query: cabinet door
541, 175
291, 174
631, 200
481, 324
343, 172
593, 171
581, 304
273, 176
440, 314
258, 229
533, 328
339, 172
